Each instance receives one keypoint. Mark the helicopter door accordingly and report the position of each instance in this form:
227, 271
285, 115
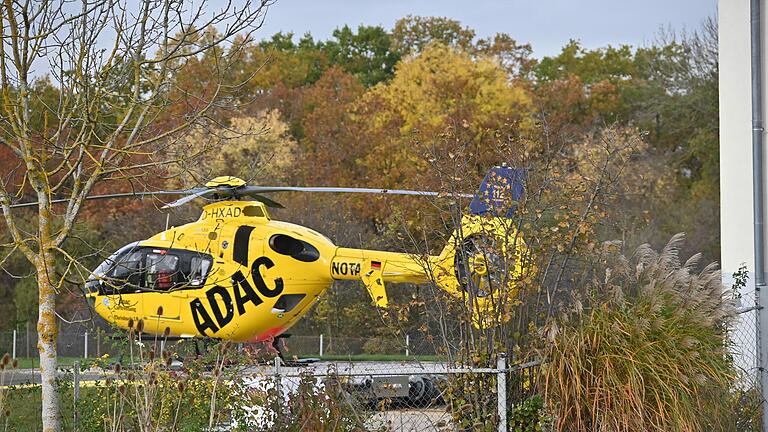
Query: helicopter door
189, 273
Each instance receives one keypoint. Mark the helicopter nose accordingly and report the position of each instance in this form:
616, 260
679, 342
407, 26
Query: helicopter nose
94, 281
91, 286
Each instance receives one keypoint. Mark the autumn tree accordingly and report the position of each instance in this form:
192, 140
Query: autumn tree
413, 34
676, 101
669, 91
82, 88
258, 149
330, 131
438, 89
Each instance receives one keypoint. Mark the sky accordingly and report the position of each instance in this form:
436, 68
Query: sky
546, 24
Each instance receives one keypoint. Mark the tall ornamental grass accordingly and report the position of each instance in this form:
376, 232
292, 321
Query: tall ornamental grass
646, 352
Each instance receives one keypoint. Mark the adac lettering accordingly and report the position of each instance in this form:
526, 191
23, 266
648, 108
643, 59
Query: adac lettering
222, 305
221, 213
352, 269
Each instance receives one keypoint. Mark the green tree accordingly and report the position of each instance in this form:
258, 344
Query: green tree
592, 66
367, 54
413, 34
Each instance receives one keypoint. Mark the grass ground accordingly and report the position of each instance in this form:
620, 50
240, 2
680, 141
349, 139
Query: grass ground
28, 363
24, 407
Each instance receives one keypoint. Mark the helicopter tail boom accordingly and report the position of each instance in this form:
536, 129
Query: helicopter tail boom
482, 257
375, 268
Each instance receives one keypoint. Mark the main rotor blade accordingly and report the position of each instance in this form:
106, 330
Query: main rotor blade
253, 191
266, 189
268, 202
111, 196
188, 198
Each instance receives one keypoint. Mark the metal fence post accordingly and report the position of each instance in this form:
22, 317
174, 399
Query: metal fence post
501, 390
278, 379
85, 347
75, 392
321, 345
26, 341
14, 344
407, 344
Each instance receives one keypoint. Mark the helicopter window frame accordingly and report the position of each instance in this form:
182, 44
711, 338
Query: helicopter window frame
189, 270
131, 265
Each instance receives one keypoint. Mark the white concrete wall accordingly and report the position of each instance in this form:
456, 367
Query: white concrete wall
735, 136
736, 222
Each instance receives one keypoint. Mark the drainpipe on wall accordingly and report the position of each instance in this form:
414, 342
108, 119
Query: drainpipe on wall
761, 296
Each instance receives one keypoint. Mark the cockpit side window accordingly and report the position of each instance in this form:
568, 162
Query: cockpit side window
128, 267
198, 270
162, 270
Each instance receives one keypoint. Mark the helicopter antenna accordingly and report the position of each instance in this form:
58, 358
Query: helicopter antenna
167, 220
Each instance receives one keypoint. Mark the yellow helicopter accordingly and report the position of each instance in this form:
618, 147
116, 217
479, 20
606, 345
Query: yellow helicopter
237, 274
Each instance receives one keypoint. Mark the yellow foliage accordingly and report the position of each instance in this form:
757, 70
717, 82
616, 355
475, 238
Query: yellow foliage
442, 101
443, 83
257, 149
627, 162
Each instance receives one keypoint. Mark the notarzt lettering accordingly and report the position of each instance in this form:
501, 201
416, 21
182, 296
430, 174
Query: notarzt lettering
344, 269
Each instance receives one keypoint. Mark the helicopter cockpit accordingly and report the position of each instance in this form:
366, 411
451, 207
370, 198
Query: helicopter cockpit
135, 268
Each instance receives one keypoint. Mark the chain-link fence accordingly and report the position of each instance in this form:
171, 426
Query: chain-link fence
72, 343
374, 396
417, 391
82, 343
407, 395
743, 340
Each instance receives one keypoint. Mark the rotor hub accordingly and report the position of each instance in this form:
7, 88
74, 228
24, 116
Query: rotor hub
480, 265
225, 181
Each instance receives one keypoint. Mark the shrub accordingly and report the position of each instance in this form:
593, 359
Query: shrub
311, 403
472, 401
528, 415
648, 352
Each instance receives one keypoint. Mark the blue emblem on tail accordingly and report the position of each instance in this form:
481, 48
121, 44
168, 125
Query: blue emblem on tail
502, 188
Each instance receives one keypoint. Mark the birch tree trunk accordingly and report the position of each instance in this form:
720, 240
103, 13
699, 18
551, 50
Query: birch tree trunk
47, 330
47, 325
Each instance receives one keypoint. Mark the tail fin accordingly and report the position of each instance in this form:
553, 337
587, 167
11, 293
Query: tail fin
482, 261
501, 190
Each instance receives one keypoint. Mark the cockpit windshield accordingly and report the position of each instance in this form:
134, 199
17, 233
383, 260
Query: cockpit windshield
136, 268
